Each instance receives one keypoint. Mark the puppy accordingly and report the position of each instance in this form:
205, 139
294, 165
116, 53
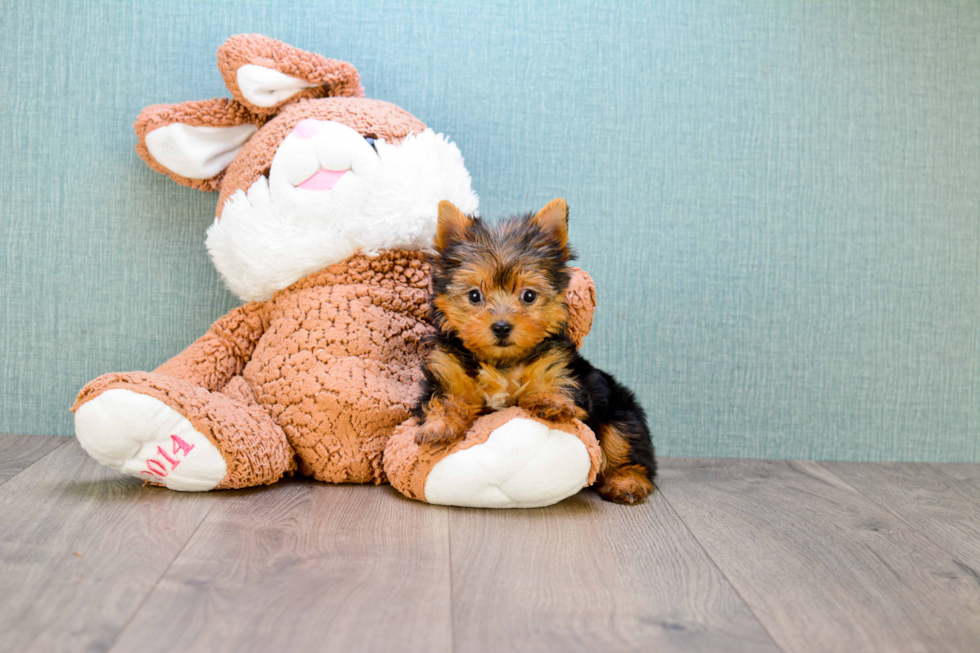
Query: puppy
499, 306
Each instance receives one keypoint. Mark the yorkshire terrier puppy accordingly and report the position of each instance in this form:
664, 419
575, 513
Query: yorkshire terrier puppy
499, 306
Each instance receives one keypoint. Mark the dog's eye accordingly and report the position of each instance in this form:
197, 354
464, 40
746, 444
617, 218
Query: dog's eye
475, 296
370, 141
528, 296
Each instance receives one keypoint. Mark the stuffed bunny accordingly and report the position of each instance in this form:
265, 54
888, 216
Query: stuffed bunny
326, 211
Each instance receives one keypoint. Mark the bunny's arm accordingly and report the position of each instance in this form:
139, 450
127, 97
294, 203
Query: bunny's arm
221, 353
581, 305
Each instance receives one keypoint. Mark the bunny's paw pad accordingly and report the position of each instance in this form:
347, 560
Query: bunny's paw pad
143, 437
523, 464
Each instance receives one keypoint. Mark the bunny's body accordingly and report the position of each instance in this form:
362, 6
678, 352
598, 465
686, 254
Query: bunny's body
326, 210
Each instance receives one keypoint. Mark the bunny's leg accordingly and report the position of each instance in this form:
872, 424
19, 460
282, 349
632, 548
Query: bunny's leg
193, 424
170, 432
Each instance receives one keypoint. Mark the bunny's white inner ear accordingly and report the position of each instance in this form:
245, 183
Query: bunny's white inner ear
265, 87
197, 152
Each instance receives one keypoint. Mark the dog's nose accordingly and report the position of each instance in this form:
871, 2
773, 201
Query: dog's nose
501, 329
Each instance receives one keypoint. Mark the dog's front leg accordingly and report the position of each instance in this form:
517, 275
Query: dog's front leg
447, 418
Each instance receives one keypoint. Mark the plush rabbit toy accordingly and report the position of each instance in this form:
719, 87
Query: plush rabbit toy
326, 209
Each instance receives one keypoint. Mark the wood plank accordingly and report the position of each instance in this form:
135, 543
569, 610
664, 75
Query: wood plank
18, 452
823, 567
586, 575
80, 547
304, 566
942, 501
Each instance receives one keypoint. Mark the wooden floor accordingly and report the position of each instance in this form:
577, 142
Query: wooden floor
727, 556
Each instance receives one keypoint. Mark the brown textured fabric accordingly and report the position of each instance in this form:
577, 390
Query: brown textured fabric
259, 446
373, 118
581, 305
223, 351
332, 77
331, 363
339, 365
199, 113
408, 464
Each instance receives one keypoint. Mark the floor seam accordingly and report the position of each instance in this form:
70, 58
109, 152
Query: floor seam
65, 438
953, 555
731, 583
452, 600
156, 583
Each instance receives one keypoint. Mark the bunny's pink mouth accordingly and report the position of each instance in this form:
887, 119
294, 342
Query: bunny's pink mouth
323, 180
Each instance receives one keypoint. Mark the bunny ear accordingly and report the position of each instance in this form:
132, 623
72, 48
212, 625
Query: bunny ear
193, 142
263, 73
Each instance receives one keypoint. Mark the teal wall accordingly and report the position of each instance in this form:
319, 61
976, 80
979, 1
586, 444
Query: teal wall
779, 201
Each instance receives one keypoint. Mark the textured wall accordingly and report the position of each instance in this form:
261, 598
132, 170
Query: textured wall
780, 201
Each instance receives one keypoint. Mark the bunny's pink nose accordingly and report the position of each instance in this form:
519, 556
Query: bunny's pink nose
308, 128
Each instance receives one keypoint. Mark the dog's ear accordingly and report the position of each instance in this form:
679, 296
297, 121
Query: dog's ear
553, 220
193, 142
453, 223
263, 74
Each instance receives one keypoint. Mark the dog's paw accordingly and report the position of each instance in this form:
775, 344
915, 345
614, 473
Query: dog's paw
436, 432
551, 406
626, 485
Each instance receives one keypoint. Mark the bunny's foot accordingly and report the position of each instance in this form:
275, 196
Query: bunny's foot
172, 433
141, 436
508, 459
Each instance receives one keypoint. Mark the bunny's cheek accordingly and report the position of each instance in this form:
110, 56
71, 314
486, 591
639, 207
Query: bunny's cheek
325, 196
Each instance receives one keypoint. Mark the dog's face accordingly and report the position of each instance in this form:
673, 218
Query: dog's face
501, 288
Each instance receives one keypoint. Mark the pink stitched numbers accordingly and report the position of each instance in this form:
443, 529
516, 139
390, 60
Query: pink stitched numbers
155, 467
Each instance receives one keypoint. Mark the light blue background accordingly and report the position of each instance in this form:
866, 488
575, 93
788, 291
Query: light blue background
779, 201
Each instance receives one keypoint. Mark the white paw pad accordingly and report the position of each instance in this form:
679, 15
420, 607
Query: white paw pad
523, 464
143, 437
